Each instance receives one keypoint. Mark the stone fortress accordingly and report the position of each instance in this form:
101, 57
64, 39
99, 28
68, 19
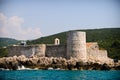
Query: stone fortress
76, 47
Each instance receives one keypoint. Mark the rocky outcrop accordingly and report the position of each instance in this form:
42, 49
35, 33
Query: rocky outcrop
13, 63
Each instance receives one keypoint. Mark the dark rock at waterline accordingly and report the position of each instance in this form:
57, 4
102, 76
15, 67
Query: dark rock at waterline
105, 67
117, 67
28, 62
70, 66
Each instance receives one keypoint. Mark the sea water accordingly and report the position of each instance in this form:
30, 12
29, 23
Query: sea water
59, 75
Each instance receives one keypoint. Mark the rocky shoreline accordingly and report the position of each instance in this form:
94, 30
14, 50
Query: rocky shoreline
13, 63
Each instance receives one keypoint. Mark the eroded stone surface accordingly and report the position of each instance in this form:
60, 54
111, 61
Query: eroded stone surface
54, 62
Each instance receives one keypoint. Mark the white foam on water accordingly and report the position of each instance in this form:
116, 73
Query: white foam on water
4, 69
36, 69
57, 69
50, 68
23, 68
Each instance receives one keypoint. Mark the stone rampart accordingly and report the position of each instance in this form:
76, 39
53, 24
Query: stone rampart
38, 50
93, 52
76, 47
56, 51
102, 55
27, 50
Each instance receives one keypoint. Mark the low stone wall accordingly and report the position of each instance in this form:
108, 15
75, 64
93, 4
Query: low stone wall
102, 55
27, 50
99, 56
92, 54
92, 51
19, 50
56, 51
38, 50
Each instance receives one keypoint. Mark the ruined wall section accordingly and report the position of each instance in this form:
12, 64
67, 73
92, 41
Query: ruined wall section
93, 52
102, 55
56, 51
27, 50
76, 45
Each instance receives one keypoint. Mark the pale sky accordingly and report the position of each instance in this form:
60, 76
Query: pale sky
31, 19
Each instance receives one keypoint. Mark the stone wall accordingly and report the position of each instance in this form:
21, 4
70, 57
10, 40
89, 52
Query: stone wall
39, 50
76, 48
93, 52
56, 51
102, 55
27, 50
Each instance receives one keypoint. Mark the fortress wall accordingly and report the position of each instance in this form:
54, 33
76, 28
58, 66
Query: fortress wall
76, 45
39, 50
19, 50
102, 55
92, 50
56, 51
92, 54
27, 50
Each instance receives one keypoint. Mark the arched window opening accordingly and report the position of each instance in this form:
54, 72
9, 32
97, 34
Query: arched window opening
57, 41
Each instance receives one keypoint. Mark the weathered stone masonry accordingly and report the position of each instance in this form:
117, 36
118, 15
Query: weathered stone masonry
76, 47
27, 50
55, 51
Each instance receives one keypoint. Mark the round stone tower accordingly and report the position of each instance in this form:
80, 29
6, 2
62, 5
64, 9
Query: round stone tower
76, 45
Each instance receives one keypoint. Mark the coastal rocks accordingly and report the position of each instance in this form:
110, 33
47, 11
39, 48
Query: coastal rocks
59, 63
2, 63
9, 63
80, 65
14, 63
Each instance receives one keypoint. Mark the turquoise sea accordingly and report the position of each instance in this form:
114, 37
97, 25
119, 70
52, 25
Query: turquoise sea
59, 75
